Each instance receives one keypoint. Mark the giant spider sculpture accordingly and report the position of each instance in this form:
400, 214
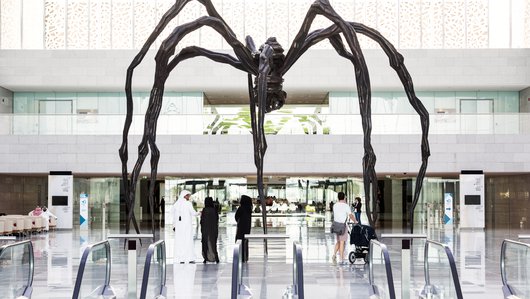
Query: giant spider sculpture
267, 65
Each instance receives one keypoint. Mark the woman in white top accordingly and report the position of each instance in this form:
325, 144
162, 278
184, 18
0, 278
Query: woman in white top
341, 212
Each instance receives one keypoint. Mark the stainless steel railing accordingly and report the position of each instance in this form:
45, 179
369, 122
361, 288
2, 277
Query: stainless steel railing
100, 261
155, 259
298, 271
17, 260
439, 282
379, 262
515, 269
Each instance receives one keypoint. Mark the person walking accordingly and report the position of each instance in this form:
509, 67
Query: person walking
341, 213
244, 222
46, 215
209, 231
183, 215
357, 209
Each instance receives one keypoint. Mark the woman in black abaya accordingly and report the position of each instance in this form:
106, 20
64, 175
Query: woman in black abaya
209, 230
244, 222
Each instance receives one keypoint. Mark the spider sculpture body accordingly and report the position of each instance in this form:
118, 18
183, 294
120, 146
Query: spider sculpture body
267, 65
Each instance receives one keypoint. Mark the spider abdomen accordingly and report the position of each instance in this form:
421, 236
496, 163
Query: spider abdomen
275, 94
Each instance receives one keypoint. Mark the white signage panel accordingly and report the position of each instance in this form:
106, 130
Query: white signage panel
472, 197
60, 197
83, 211
448, 208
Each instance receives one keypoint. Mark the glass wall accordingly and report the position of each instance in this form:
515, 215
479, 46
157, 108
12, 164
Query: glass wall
303, 190
126, 24
86, 103
436, 102
103, 201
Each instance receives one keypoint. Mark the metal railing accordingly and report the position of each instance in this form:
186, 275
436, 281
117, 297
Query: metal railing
297, 289
406, 259
238, 289
156, 257
16, 269
439, 282
379, 262
100, 258
277, 123
515, 269
237, 262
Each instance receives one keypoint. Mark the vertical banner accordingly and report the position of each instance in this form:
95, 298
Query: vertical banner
83, 211
60, 197
448, 208
472, 214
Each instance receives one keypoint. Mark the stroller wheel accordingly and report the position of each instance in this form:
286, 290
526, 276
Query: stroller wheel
351, 257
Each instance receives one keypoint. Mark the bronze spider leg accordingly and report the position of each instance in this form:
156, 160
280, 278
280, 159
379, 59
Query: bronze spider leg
397, 63
129, 189
163, 69
322, 7
258, 131
258, 120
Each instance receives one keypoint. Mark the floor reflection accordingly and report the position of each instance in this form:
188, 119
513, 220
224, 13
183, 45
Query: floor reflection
476, 253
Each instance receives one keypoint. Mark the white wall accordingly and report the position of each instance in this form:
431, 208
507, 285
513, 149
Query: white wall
316, 71
297, 154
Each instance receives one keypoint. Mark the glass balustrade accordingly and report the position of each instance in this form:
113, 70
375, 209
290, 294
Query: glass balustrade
441, 277
515, 269
154, 277
16, 270
93, 276
381, 279
275, 124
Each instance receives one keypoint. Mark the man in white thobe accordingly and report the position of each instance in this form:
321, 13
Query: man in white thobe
183, 215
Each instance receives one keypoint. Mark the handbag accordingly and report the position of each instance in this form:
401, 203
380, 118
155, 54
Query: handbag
338, 227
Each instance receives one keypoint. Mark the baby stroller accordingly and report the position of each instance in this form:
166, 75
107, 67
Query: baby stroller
360, 236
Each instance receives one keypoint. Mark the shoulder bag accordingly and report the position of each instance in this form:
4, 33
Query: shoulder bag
338, 227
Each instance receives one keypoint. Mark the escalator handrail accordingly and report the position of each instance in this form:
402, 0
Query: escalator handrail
298, 270
236, 270
28, 289
503, 258
388, 267
82, 265
452, 266
149, 256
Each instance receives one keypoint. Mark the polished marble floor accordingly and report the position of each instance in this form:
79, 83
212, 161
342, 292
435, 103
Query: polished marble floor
57, 256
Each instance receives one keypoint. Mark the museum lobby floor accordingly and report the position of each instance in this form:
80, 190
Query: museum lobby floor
57, 256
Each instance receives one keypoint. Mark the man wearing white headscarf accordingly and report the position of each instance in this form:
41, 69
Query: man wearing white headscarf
183, 215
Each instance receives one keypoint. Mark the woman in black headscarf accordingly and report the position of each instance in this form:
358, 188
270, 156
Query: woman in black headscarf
244, 221
209, 230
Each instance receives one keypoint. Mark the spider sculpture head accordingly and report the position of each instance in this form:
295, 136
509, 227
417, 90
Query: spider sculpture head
275, 94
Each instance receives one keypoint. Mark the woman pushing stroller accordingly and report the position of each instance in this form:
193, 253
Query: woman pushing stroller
341, 213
